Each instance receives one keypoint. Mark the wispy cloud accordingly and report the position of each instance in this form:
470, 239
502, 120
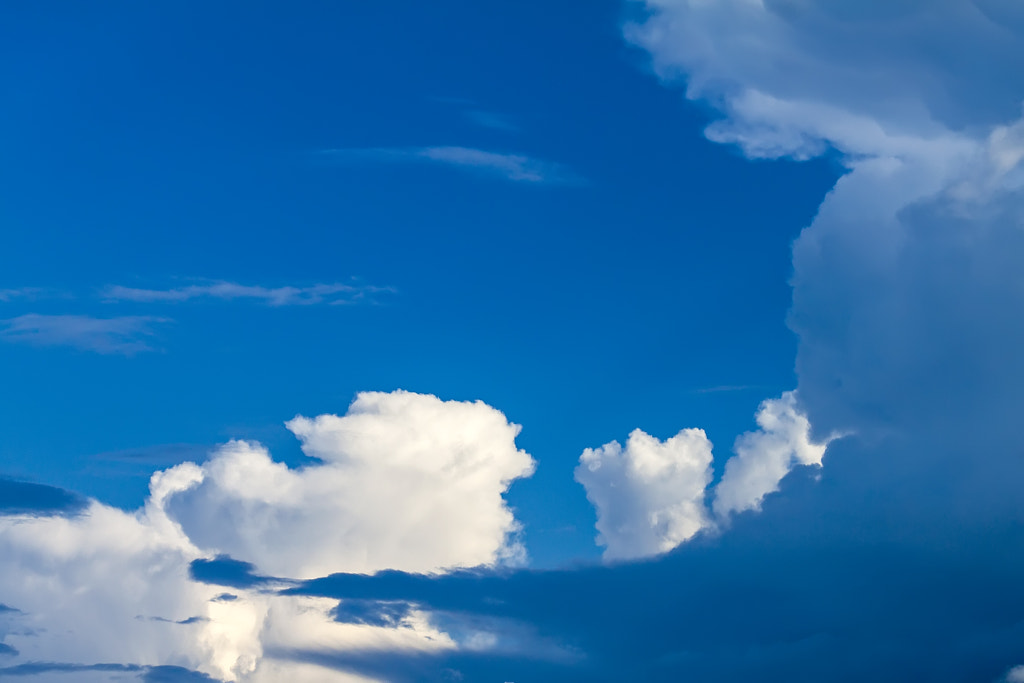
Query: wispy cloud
489, 119
333, 294
124, 335
514, 167
24, 293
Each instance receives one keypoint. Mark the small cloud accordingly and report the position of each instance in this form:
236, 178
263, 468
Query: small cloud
7, 650
124, 335
333, 294
514, 167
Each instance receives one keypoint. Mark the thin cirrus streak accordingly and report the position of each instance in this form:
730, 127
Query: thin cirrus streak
24, 293
514, 167
332, 294
124, 335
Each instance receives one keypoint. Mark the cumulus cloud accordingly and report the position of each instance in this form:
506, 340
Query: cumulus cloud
649, 496
334, 293
514, 167
904, 284
764, 457
404, 481
125, 335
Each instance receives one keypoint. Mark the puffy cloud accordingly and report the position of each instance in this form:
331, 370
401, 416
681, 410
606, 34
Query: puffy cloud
764, 457
649, 496
403, 481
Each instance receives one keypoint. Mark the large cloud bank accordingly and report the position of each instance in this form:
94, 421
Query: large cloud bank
907, 286
404, 481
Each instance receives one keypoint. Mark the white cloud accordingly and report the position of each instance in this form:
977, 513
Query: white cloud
406, 481
514, 167
335, 293
1015, 675
649, 496
763, 458
124, 335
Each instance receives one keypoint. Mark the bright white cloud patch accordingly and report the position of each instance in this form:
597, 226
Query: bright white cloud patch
764, 457
649, 496
404, 481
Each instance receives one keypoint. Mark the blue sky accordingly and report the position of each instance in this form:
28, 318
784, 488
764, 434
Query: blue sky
790, 225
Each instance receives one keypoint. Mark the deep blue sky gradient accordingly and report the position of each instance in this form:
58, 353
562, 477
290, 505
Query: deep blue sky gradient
151, 144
